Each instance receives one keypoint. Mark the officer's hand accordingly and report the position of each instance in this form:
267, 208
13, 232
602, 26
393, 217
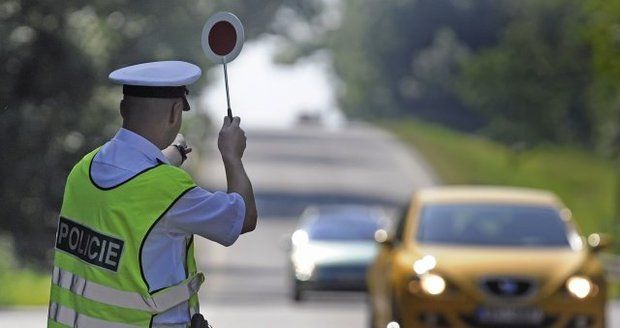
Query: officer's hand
172, 152
231, 141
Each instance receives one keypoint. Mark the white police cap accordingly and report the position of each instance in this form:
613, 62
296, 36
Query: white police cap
162, 79
157, 74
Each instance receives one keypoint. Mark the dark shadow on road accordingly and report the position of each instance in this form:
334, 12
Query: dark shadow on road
321, 297
239, 270
316, 159
283, 205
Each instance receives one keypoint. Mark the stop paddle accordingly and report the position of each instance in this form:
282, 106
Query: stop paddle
222, 40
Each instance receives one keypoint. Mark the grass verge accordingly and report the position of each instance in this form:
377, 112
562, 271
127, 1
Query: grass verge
23, 287
20, 286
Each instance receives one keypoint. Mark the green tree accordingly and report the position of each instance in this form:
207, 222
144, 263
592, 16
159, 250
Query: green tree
47, 84
533, 85
384, 53
604, 35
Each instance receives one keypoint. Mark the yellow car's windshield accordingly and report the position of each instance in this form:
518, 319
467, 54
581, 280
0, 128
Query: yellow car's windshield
492, 225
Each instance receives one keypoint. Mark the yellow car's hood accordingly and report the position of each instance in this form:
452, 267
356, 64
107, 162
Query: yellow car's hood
466, 266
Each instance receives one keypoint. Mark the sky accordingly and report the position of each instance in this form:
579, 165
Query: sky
269, 95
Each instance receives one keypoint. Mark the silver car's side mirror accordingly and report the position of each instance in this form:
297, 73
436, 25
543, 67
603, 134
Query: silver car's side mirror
599, 242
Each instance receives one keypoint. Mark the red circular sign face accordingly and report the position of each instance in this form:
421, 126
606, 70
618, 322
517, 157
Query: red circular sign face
222, 38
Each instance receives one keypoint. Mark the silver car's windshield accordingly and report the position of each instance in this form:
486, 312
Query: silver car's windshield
342, 228
492, 225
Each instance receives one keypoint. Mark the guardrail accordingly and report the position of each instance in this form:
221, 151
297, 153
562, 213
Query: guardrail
611, 262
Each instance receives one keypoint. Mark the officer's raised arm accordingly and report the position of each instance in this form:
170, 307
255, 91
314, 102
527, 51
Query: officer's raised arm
231, 143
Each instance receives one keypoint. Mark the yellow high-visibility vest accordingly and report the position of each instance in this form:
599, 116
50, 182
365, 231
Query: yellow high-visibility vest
98, 278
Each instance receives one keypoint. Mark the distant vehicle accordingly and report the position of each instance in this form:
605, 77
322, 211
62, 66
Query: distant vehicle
309, 118
332, 248
487, 257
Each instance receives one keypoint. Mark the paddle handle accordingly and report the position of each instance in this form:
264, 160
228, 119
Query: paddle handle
227, 91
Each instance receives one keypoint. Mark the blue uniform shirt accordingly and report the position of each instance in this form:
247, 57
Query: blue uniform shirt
216, 216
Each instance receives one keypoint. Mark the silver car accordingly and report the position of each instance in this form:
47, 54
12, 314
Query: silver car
332, 248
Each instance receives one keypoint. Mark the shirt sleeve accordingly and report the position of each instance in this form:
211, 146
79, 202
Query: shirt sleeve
216, 216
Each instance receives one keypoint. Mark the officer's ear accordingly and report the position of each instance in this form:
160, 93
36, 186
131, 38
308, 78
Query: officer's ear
176, 112
124, 109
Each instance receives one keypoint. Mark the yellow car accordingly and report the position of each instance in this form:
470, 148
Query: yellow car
487, 257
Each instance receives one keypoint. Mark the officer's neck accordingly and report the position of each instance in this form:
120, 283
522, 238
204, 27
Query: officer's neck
153, 135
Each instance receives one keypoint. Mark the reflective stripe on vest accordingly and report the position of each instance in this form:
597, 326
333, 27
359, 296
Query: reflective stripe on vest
69, 317
158, 303
169, 325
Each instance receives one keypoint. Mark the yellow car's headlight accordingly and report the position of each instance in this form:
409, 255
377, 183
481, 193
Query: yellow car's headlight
424, 265
432, 284
579, 286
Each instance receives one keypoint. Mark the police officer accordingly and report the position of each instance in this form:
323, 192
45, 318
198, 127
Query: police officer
124, 254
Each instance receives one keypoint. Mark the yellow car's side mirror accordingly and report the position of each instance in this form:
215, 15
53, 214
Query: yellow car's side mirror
599, 242
384, 239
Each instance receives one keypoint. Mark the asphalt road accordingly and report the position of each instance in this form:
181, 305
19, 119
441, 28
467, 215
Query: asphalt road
247, 283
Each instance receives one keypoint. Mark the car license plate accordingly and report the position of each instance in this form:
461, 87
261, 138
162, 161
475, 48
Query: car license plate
506, 315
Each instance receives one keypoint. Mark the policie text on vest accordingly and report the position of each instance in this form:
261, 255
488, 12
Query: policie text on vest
88, 245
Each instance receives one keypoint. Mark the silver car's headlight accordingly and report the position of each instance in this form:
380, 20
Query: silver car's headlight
303, 262
432, 284
579, 286
304, 269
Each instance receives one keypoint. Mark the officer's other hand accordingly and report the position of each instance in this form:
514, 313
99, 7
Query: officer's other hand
172, 153
232, 140
180, 140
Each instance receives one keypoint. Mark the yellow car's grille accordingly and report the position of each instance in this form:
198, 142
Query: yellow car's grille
508, 287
